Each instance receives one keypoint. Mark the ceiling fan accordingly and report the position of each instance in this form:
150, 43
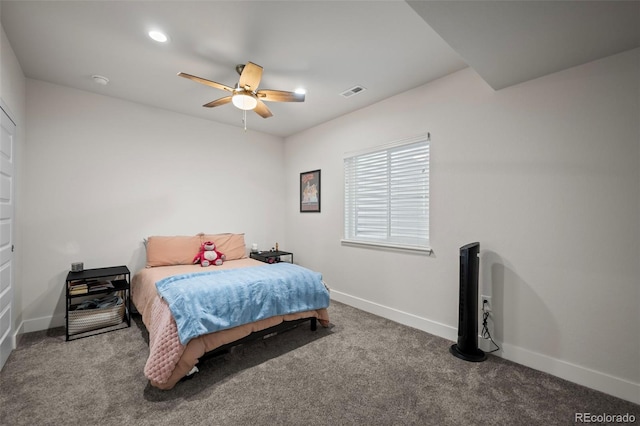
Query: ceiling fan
245, 95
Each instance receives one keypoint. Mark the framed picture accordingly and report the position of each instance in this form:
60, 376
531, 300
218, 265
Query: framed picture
310, 192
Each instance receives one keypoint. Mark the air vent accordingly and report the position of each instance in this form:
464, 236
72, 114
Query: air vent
353, 91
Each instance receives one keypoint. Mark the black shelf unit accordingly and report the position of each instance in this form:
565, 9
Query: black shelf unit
119, 285
272, 256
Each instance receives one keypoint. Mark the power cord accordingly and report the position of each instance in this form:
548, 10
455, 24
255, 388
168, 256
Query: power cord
485, 328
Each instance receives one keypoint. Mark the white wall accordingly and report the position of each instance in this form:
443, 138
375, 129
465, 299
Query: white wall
545, 175
13, 95
104, 173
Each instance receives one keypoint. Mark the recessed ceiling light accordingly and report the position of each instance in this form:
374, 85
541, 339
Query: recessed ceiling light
158, 36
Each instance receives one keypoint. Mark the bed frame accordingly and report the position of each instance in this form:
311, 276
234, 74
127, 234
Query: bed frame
256, 335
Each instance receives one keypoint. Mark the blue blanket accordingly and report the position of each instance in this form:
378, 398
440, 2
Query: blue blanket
204, 302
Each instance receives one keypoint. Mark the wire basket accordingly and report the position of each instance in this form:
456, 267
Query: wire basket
91, 319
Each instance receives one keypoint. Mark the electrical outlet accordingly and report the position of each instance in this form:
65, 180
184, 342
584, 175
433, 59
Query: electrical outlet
486, 318
486, 303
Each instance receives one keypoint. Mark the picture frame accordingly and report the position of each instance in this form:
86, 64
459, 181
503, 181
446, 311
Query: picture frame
310, 192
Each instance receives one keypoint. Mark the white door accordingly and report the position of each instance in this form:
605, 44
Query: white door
7, 134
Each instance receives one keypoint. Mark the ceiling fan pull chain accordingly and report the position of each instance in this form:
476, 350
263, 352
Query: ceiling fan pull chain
244, 119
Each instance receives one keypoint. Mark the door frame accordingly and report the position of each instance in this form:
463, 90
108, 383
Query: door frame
11, 334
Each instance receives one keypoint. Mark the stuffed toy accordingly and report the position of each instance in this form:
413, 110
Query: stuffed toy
208, 255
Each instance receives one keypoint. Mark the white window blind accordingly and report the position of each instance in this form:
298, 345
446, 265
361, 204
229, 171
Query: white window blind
387, 195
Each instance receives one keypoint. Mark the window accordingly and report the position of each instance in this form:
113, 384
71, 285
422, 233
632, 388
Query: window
386, 194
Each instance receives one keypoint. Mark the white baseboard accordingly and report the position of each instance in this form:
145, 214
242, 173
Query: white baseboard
16, 335
403, 318
593, 379
602, 382
43, 323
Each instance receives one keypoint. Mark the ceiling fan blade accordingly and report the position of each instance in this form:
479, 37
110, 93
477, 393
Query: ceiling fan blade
205, 81
218, 102
262, 110
250, 77
280, 96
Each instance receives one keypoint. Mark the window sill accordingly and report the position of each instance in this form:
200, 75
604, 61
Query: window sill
388, 246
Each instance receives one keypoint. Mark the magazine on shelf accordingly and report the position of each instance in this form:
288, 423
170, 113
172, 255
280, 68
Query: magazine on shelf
100, 285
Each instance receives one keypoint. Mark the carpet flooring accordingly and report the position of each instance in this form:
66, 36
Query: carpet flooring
363, 370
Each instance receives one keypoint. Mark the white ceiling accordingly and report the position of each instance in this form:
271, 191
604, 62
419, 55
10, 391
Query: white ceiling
509, 42
325, 46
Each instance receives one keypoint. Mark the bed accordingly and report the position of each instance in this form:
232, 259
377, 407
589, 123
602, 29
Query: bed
156, 293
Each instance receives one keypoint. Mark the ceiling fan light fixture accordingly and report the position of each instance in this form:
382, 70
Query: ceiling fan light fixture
244, 102
245, 95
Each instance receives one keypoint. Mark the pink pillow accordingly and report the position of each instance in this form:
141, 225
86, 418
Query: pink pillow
176, 250
231, 245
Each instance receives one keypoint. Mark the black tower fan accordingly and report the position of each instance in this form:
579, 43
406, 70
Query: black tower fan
467, 346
